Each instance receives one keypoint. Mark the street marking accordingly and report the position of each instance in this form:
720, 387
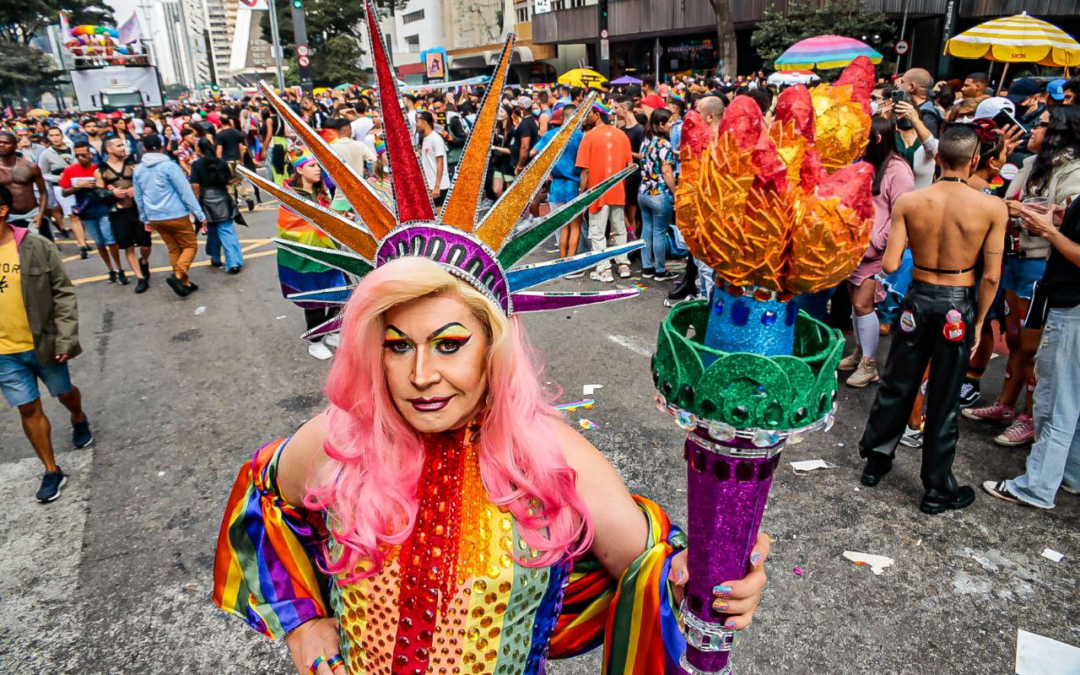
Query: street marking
201, 263
631, 343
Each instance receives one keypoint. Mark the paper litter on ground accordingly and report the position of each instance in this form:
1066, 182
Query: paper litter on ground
1038, 655
1051, 554
199, 310
590, 389
586, 424
805, 466
877, 563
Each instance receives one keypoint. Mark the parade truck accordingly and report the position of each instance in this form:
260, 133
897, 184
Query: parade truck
111, 88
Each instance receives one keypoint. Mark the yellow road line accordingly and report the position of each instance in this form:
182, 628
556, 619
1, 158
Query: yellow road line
201, 263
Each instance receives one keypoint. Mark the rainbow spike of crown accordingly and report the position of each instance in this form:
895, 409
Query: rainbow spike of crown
480, 250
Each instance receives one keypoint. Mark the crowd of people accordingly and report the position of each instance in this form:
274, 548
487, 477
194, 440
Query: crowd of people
111, 181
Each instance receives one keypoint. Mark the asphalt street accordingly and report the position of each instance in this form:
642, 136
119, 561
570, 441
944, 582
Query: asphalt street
115, 577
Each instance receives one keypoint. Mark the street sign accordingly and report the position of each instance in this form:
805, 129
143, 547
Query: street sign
902, 47
605, 50
603, 34
304, 61
302, 50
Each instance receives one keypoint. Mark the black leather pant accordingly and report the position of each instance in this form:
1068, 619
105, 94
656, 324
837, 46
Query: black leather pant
918, 338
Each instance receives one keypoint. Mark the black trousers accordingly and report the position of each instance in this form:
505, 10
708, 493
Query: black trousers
918, 338
316, 317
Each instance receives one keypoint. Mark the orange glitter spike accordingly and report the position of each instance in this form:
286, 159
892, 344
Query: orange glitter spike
379, 219
465, 192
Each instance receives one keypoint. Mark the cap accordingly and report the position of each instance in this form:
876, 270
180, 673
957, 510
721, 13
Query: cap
1023, 89
1056, 89
652, 101
524, 102
990, 107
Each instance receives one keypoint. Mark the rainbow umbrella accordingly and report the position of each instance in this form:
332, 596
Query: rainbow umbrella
824, 52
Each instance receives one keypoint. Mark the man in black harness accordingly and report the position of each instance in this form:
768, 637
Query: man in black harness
946, 225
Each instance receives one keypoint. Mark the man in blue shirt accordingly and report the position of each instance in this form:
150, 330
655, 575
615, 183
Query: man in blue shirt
565, 182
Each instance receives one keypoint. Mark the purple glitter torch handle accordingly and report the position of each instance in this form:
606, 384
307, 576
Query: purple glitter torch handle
725, 498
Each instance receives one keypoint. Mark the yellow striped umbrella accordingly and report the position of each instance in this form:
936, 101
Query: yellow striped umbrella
1017, 39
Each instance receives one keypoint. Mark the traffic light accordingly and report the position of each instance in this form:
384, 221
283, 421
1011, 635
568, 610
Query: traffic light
298, 4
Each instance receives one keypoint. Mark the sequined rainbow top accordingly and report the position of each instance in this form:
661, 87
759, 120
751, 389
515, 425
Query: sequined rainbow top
455, 598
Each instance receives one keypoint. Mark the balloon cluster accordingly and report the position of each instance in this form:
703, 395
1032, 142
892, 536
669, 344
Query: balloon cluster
96, 41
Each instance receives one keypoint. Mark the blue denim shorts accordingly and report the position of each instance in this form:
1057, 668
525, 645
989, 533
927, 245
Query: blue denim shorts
20, 372
100, 230
1021, 274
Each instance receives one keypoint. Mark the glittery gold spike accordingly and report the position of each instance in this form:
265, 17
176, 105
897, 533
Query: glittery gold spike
340, 229
379, 219
498, 223
460, 208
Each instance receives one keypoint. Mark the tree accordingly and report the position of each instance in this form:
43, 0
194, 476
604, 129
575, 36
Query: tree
25, 72
725, 32
850, 18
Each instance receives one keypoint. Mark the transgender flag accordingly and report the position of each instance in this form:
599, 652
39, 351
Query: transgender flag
130, 31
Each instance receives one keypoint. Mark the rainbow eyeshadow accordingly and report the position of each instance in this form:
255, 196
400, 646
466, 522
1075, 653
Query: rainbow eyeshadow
454, 331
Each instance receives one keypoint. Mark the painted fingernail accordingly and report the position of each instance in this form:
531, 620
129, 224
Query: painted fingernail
730, 623
722, 589
720, 606
755, 559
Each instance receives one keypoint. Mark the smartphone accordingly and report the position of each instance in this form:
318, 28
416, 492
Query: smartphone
1005, 118
901, 96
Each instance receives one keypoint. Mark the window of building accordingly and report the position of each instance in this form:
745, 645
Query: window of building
577, 3
523, 14
413, 43
412, 17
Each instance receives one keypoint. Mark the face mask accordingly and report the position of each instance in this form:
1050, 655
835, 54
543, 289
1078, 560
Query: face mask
873, 106
536, 113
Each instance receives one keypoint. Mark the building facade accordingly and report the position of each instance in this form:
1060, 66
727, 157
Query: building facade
665, 36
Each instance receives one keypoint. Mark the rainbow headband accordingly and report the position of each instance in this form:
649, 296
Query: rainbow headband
300, 159
482, 248
602, 107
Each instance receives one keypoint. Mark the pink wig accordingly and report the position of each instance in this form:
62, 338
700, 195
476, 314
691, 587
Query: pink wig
369, 486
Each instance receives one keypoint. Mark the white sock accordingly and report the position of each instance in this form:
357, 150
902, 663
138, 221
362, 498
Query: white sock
867, 328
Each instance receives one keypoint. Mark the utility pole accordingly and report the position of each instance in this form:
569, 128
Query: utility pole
144, 6
303, 54
603, 56
276, 47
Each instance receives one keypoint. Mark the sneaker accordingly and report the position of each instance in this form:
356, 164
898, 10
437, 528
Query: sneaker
912, 438
177, 288
216, 263
84, 253
851, 361
665, 276
604, 276
122, 278
191, 287
647, 274
319, 351
993, 413
1000, 490
1019, 432
142, 285
332, 340
551, 249
250, 204
1070, 490
969, 394
51, 483
235, 269
80, 433
574, 275
624, 271
686, 288
865, 374
112, 276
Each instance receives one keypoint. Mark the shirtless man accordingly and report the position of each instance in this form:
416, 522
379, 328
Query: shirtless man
946, 225
21, 176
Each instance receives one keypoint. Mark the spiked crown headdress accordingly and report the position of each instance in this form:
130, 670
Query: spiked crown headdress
482, 251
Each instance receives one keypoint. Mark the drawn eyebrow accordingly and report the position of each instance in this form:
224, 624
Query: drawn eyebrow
439, 332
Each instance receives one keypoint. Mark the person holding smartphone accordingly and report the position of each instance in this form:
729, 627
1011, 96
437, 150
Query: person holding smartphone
1051, 177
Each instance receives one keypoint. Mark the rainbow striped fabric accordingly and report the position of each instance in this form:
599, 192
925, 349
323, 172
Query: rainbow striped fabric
510, 618
296, 273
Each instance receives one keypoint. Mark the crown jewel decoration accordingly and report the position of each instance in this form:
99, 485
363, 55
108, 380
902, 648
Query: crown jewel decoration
481, 249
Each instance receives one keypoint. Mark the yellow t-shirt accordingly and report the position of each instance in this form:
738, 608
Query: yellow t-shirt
15, 336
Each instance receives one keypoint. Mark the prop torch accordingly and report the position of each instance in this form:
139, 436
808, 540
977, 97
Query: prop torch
776, 211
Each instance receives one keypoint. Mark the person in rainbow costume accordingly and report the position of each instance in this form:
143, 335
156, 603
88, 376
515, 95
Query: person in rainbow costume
439, 517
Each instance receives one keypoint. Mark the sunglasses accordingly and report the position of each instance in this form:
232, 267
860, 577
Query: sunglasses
1040, 125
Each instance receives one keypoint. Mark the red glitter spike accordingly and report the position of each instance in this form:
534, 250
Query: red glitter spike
696, 134
410, 191
744, 121
794, 105
854, 186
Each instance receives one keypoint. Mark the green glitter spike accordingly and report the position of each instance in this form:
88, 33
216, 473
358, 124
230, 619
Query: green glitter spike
518, 248
349, 263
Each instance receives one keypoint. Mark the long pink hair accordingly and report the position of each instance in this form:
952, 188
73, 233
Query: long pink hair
369, 486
